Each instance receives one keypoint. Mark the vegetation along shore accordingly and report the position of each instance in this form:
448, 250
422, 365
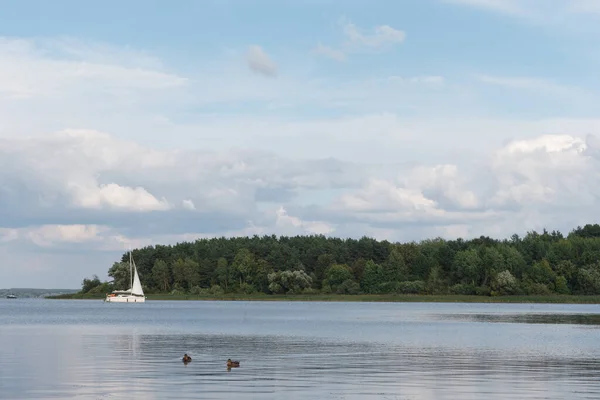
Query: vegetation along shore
539, 267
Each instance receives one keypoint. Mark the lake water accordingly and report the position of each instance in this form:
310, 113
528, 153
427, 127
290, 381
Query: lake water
61, 349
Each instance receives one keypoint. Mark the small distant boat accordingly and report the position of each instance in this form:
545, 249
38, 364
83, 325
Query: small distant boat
133, 295
11, 296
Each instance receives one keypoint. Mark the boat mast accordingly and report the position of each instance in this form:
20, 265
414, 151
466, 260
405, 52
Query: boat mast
130, 269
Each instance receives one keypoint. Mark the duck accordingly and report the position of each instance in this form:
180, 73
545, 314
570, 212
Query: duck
232, 364
186, 358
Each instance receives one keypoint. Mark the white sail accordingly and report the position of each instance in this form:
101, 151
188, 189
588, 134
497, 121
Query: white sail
135, 293
136, 289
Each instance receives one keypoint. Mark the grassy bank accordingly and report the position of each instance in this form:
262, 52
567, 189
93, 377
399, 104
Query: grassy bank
366, 298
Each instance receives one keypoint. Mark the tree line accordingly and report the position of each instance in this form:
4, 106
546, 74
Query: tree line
536, 264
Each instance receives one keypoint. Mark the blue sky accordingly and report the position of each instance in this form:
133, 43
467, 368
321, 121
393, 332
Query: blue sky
442, 38
147, 122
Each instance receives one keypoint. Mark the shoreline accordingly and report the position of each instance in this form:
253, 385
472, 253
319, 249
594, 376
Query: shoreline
370, 298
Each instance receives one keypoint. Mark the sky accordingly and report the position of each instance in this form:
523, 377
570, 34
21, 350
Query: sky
152, 122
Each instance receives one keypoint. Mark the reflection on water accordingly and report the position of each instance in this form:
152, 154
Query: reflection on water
577, 319
428, 354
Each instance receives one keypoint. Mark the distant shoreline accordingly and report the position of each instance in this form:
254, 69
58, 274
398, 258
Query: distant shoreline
549, 299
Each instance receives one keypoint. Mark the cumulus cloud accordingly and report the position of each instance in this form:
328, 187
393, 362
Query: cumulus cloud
551, 169
292, 225
383, 196
188, 204
113, 195
558, 170
93, 177
259, 61
226, 192
66, 168
140, 171
445, 183
547, 181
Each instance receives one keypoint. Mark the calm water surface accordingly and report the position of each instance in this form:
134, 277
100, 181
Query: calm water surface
53, 349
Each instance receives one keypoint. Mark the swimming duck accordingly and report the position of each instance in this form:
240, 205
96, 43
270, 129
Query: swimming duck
232, 364
186, 358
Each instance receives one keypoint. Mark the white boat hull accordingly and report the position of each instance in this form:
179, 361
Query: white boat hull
125, 299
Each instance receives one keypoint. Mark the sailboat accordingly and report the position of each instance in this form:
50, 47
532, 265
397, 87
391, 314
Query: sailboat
135, 294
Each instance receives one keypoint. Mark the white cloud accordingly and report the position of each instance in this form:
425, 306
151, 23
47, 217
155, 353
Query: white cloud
549, 180
89, 176
188, 204
48, 235
51, 85
329, 52
536, 96
382, 37
534, 84
543, 181
383, 196
67, 165
547, 143
23, 78
116, 196
293, 225
396, 110
398, 157
585, 6
8, 235
53, 236
106, 238
39, 80
232, 184
548, 170
556, 12
426, 79
260, 62
447, 183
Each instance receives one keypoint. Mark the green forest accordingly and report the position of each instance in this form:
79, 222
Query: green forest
543, 263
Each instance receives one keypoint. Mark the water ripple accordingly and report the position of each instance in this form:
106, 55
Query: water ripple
423, 355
